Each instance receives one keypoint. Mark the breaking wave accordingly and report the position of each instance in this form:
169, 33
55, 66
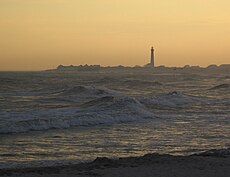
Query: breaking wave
105, 110
104, 107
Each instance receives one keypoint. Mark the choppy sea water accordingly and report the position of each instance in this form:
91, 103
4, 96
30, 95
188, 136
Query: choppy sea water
58, 118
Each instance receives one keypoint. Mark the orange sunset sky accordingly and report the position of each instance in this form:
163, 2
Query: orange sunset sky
41, 34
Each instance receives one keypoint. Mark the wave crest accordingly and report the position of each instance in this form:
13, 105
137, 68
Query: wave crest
104, 110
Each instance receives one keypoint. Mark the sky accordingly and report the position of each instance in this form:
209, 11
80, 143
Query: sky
41, 34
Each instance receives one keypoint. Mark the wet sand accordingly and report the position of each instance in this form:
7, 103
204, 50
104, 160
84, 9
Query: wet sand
215, 163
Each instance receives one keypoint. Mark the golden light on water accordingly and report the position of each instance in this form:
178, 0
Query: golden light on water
41, 34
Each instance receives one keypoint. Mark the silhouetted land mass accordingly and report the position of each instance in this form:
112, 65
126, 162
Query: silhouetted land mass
211, 68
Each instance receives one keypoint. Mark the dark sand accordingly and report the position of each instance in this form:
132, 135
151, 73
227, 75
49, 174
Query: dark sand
215, 163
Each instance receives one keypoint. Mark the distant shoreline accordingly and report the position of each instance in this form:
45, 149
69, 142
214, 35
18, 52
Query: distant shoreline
213, 163
223, 67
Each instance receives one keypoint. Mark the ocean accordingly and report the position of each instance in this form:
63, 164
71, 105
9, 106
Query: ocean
51, 118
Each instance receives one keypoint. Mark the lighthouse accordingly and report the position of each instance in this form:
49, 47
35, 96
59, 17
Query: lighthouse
152, 62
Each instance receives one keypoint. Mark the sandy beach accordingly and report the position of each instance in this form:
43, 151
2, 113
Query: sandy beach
214, 163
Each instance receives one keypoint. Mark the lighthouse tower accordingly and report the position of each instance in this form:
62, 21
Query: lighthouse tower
152, 62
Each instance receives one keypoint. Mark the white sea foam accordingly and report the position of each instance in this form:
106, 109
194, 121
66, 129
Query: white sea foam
105, 110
